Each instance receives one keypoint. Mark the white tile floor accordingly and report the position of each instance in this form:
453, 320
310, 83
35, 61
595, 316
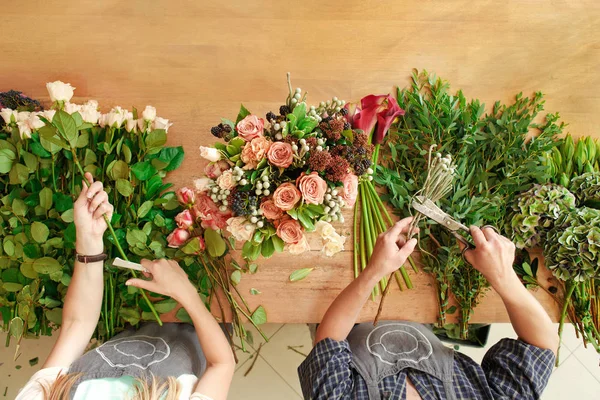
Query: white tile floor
273, 376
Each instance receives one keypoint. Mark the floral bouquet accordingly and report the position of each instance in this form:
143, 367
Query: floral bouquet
275, 179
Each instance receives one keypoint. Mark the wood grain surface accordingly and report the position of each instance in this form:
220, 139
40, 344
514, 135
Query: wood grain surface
197, 60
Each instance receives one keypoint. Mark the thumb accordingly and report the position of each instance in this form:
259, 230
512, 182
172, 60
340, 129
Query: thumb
142, 284
407, 249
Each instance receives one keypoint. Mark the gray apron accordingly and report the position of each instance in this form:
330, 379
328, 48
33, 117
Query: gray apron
390, 347
170, 350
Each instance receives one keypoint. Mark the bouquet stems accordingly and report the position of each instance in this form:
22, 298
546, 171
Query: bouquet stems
569, 288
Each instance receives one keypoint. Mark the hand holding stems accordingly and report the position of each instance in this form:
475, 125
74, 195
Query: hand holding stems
493, 256
88, 215
167, 278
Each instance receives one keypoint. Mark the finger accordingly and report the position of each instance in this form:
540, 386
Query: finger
94, 189
88, 178
399, 227
147, 274
148, 264
467, 254
478, 236
415, 231
102, 209
489, 234
101, 197
407, 249
142, 284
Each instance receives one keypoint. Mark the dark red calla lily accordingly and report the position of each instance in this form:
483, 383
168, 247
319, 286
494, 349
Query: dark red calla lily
385, 118
374, 110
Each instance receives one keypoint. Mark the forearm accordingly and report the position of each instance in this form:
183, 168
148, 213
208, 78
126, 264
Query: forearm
345, 309
527, 316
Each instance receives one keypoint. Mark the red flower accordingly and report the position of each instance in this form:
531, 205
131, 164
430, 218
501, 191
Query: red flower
380, 110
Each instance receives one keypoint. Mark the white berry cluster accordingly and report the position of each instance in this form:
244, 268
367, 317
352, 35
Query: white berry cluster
262, 186
219, 196
446, 162
256, 220
333, 205
297, 96
238, 175
278, 126
325, 108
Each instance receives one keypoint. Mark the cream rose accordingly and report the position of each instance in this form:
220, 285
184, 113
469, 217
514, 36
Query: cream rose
24, 129
290, 231
238, 228
334, 245
60, 91
130, 125
280, 154
298, 248
324, 229
23, 116
349, 189
312, 187
270, 210
226, 181
49, 114
162, 123
250, 127
89, 112
35, 122
286, 196
149, 113
210, 153
115, 117
201, 184
72, 107
7, 115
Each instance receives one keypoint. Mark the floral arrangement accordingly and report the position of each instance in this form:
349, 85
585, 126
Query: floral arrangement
43, 158
274, 179
586, 187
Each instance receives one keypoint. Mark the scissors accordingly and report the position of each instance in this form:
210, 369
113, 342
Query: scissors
128, 264
430, 210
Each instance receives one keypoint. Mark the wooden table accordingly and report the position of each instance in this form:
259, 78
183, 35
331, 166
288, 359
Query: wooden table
196, 61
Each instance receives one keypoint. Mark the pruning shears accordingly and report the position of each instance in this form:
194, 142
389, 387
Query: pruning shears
430, 210
128, 264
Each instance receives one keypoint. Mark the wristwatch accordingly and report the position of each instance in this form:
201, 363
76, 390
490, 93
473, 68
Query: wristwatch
90, 259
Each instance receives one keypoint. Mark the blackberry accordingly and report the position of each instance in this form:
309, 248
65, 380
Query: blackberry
327, 119
243, 202
361, 151
361, 166
284, 110
347, 125
344, 111
271, 116
225, 128
217, 131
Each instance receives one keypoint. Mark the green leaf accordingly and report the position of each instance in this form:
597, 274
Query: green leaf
118, 170
136, 237
30, 161
253, 268
278, 243
165, 306
172, 156
18, 175
7, 158
62, 202
27, 270
124, 187
236, 277
19, 207
242, 114
38, 150
215, 244
145, 208
12, 287
46, 198
68, 216
306, 221
183, 315
267, 248
191, 247
254, 291
83, 140
155, 139
66, 126
130, 315
143, 170
259, 316
300, 274
16, 327
54, 315
39, 232
46, 265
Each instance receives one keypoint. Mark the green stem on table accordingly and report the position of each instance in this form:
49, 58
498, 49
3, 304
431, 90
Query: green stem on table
366, 233
570, 287
356, 240
363, 251
379, 202
118, 245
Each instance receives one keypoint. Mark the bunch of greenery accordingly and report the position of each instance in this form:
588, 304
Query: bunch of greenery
586, 187
496, 159
570, 159
534, 212
40, 176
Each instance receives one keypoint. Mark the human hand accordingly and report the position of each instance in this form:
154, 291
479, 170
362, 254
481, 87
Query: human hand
167, 278
392, 248
493, 256
88, 214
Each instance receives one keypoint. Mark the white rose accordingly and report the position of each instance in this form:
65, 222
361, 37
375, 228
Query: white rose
130, 125
143, 125
324, 229
334, 245
161, 123
23, 116
149, 113
237, 227
226, 181
89, 112
102, 120
201, 184
24, 129
7, 113
115, 117
210, 153
299, 247
35, 122
49, 114
59, 91
72, 107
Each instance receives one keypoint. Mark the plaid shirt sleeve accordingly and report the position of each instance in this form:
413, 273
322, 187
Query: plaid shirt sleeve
326, 372
517, 370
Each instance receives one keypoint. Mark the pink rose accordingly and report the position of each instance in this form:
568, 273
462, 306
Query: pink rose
201, 243
312, 187
178, 237
286, 196
184, 219
280, 154
214, 169
250, 127
216, 221
254, 151
186, 196
290, 231
226, 181
350, 189
270, 210
208, 212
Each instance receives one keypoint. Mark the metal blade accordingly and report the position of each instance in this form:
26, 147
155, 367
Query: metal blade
430, 210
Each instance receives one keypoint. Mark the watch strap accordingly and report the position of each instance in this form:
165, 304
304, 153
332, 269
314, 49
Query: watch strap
90, 259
